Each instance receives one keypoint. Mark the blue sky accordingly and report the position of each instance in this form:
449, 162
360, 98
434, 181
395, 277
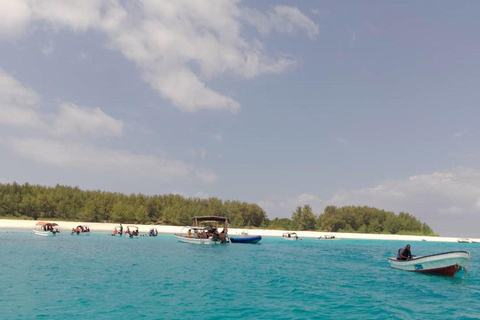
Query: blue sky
277, 103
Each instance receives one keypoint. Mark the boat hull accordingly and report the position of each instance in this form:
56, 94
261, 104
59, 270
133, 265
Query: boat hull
446, 264
247, 239
44, 233
198, 240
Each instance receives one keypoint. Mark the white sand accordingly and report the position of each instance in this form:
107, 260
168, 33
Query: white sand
108, 228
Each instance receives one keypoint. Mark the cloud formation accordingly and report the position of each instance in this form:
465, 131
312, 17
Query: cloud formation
178, 45
429, 197
60, 139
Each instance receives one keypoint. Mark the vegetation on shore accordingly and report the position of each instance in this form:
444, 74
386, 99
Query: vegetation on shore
72, 204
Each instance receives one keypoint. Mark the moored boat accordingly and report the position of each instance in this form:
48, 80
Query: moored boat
46, 229
204, 230
290, 236
81, 230
132, 232
245, 238
446, 263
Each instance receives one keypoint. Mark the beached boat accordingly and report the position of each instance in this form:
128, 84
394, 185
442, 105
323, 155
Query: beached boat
46, 229
132, 232
204, 230
290, 236
446, 264
464, 240
327, 237
244, 237
81, 230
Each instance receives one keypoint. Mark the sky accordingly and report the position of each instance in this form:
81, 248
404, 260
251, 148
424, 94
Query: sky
278, 103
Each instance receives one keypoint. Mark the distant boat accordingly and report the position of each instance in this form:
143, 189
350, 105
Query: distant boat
46, 229
81, 230
204, 230
245, 238
464, 240
132, 232
445, 264
290, 236
327, 237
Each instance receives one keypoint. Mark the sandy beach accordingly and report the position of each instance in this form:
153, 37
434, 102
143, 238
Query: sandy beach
66, 226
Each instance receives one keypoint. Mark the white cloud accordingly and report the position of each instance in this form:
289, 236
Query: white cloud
460, 134
434, 198
77, 120
282, 19
206, 176
17, 103
170, 40
90, 158
14, 18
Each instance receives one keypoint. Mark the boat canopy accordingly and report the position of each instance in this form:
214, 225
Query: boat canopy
210, 218
41, 223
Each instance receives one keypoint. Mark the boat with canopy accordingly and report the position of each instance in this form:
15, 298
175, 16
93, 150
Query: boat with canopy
290, 236
204, 230
81, 230
445, 264
46, 229
132, 232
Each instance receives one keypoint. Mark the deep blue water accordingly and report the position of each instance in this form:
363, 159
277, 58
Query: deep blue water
103, 277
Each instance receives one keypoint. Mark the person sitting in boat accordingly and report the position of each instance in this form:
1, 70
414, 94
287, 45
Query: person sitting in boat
404, 253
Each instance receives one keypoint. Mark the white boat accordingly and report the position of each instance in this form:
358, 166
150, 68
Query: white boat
290, 236
204, 230
46, 229
446, 264
327, 237
464, 240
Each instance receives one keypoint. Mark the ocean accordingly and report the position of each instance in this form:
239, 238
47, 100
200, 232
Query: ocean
104, 277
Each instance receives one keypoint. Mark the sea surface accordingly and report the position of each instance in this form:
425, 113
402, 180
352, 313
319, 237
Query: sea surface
105, 277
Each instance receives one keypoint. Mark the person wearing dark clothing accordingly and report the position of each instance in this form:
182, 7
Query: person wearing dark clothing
404, 253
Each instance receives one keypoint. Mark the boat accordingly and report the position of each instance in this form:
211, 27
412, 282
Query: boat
81, 230
245, 238
327, 237
132, 232
445, 264
463, 240
204, 230
46, 229
290, 236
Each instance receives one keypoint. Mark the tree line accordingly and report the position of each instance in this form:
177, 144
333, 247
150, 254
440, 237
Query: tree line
73, 204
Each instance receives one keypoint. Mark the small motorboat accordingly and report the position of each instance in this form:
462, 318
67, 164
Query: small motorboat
132, 232
245, 238
445, 264
81, 230
290, 236
46, 229
204, 230
464, 240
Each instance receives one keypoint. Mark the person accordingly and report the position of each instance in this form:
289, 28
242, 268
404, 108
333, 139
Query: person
404, 253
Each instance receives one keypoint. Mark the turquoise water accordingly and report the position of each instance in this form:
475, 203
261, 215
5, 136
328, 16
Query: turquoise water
102, 277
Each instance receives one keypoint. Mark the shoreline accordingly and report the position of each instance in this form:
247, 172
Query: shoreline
96, 227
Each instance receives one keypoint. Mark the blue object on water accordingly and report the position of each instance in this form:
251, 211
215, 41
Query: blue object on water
247, 239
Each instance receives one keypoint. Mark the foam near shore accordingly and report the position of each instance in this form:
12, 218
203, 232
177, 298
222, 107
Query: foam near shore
66, 226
